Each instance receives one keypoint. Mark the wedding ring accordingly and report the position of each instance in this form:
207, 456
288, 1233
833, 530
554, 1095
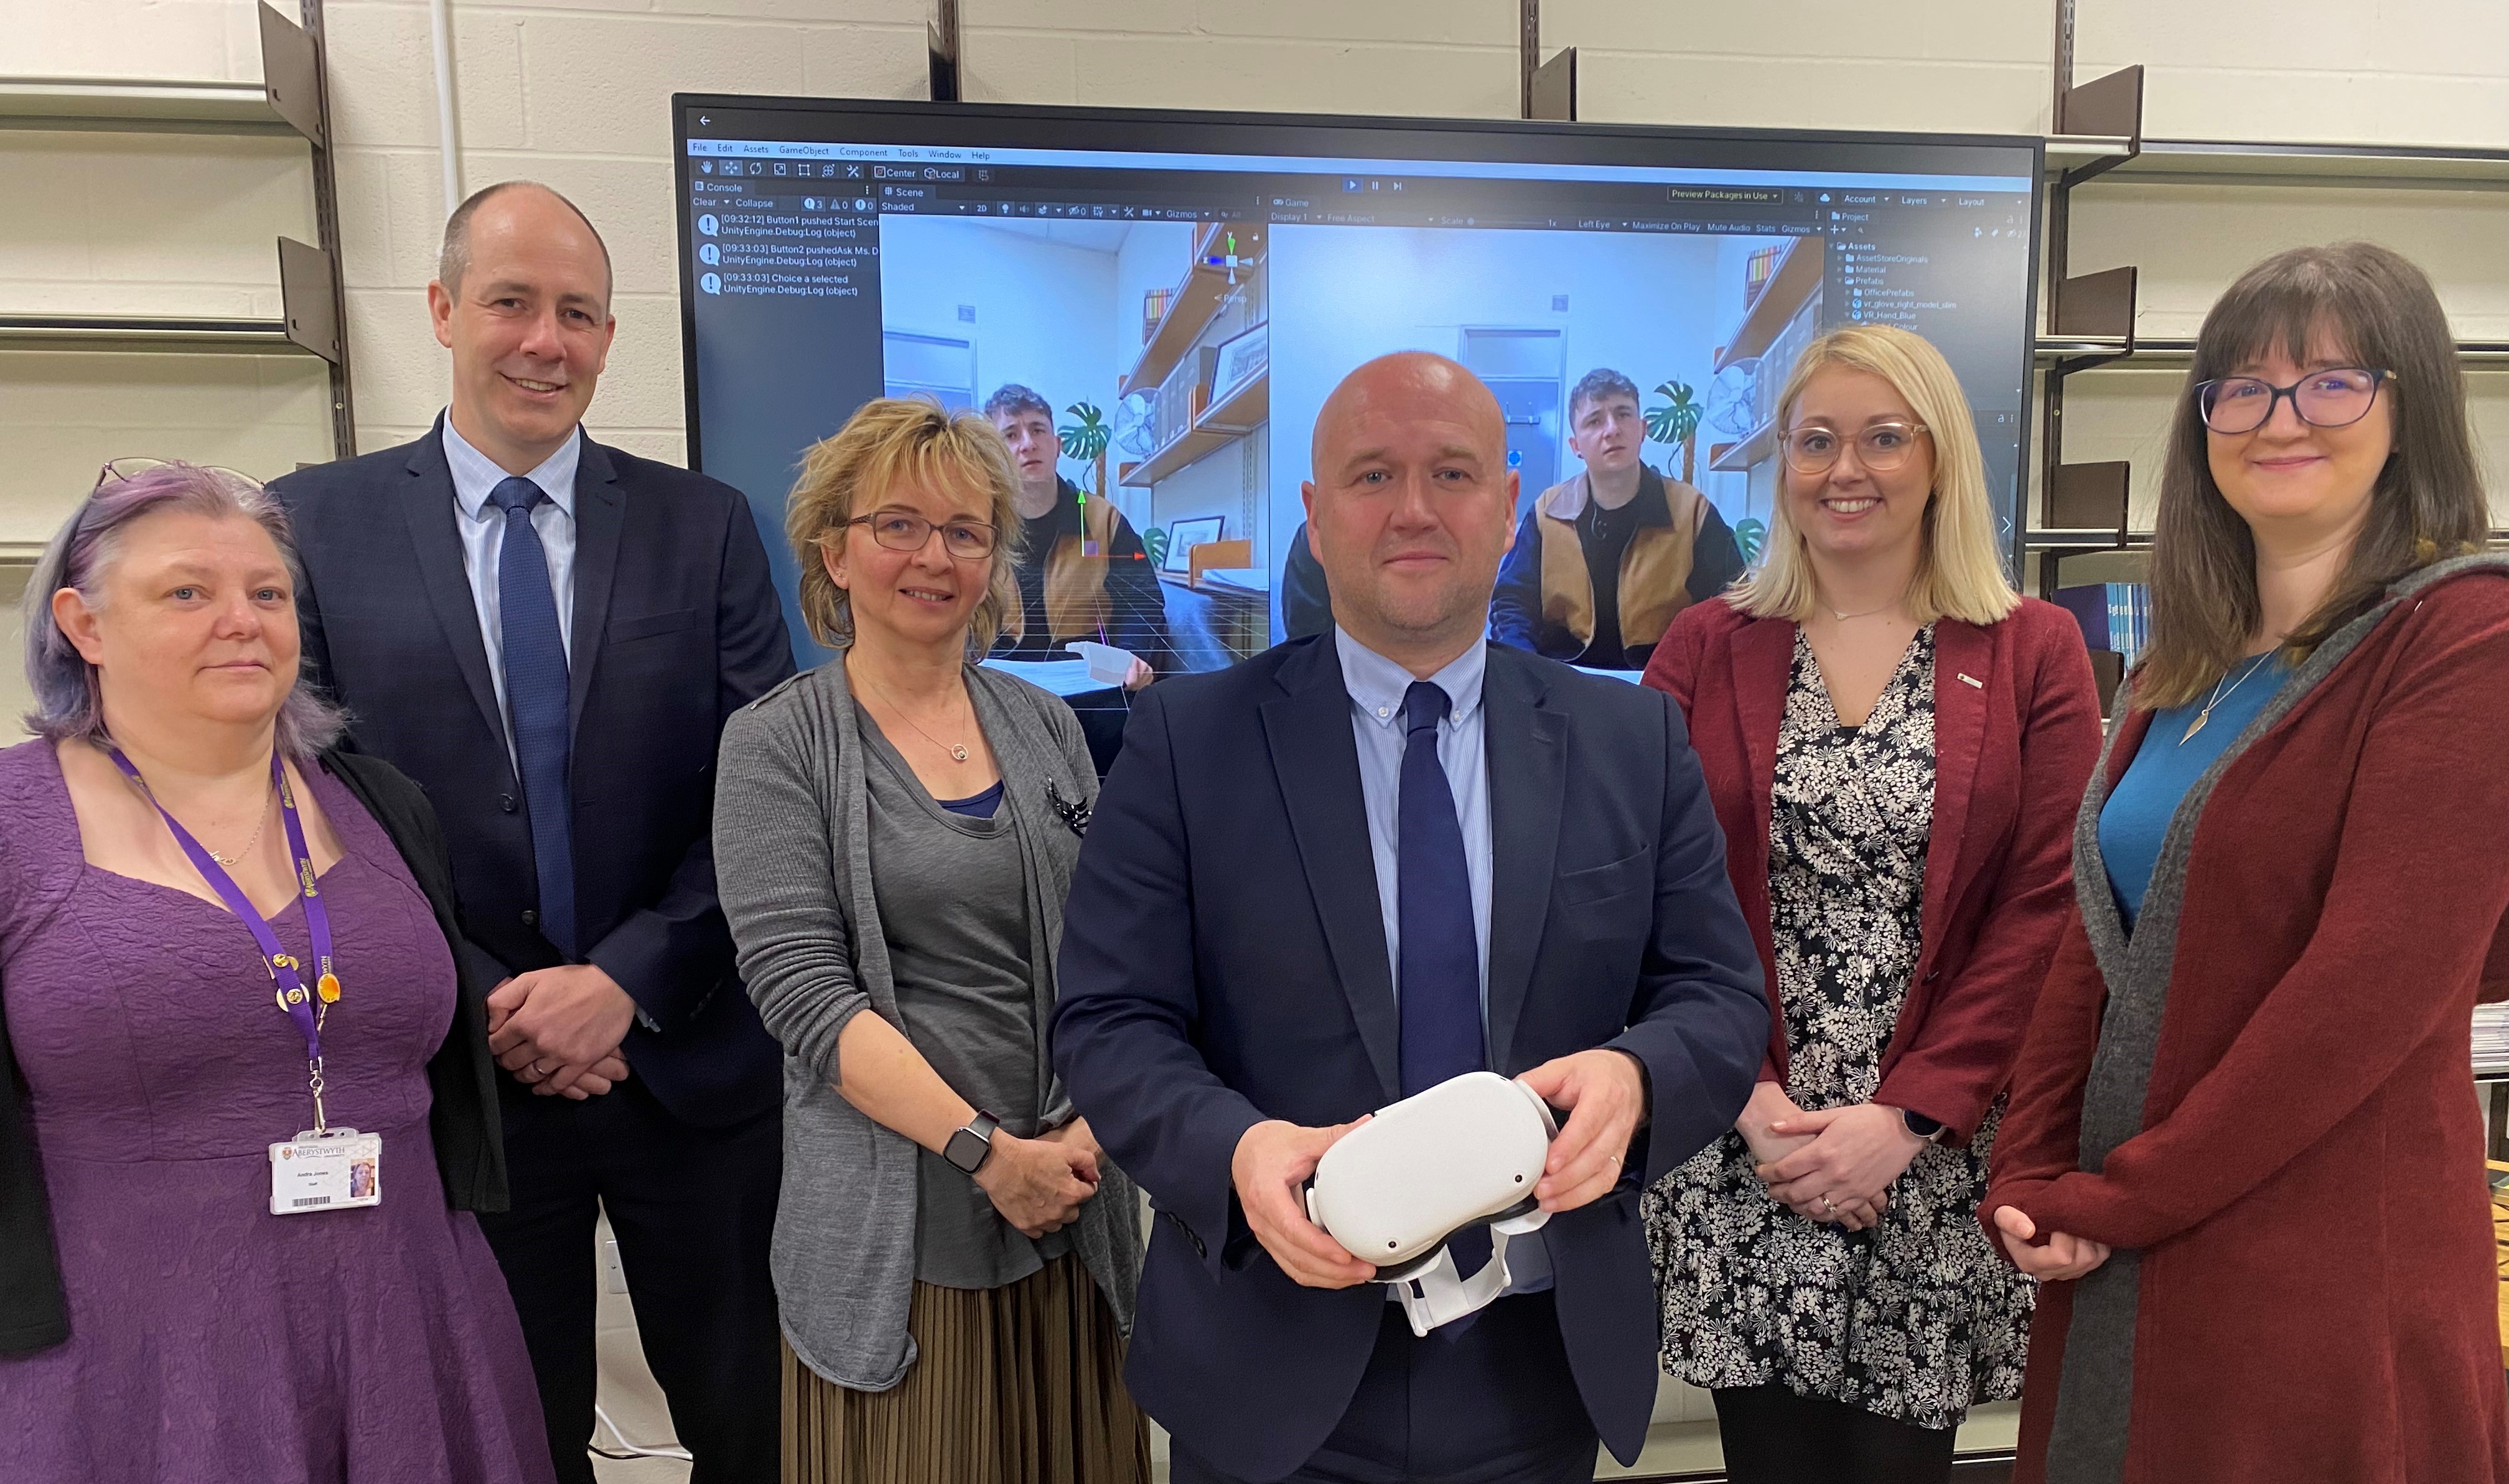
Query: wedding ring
538, 1072
1826, 1207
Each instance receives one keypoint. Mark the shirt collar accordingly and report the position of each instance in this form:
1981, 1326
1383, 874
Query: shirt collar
1378, 684
476, 475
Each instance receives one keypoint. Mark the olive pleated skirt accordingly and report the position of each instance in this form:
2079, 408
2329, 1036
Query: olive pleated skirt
1019, 1385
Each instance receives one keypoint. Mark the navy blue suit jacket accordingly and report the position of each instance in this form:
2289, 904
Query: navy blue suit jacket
1223, 962
676, 626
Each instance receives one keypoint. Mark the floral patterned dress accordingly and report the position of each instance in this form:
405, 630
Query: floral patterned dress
1914, 1320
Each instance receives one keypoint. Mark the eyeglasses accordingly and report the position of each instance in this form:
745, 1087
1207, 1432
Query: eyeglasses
132, 468
1881, 447
2336, 397
968, 539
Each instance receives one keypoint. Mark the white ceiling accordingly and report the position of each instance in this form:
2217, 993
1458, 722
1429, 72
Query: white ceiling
1092, 236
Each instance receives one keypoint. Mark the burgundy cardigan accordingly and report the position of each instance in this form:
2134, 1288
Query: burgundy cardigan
2016, 733
2298, 1210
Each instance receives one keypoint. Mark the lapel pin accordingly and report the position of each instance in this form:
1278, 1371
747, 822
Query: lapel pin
1971, 679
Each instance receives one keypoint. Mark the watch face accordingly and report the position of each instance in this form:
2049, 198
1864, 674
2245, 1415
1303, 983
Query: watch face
966, 1150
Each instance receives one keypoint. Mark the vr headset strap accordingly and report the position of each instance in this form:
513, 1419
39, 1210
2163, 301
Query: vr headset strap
1438, 1294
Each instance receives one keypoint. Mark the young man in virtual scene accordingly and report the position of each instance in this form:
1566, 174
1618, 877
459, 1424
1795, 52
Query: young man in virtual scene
1603, 561
1083, 572
548, 634
1350, 870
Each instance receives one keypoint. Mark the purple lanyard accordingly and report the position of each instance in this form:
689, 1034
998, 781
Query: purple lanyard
304, 1006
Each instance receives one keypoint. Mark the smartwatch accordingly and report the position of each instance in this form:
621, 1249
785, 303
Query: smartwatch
1923, 1127
969, 1148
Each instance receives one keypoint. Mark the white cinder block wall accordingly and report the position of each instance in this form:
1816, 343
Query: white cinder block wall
575, 92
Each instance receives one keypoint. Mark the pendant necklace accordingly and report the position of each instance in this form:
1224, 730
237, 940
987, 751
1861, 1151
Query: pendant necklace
1867, 613
958, 751
2220, 695
230, 860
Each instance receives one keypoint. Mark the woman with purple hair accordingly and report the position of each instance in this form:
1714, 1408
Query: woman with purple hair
232, 996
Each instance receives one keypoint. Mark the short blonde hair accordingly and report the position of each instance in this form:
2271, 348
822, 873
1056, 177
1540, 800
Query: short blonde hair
1959, 572
890, 442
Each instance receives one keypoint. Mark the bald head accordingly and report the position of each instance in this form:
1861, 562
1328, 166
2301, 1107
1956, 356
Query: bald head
516, 207
1412, 508
1407, 387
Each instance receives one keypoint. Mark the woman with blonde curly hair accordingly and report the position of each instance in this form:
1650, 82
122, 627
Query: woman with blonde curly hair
894, 835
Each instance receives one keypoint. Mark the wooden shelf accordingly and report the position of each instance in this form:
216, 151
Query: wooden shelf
1793, 281
1758, 444
1221, 423
146, 333
1197, 301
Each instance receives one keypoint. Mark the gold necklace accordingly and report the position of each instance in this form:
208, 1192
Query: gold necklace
230, 860
958, 751
2220, 695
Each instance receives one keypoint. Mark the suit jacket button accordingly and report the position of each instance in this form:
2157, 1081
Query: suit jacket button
505, 801
531, 916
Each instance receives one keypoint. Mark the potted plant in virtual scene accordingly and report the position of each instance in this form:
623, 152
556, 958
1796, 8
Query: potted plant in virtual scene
1750, 534
1086, 442
1677, 420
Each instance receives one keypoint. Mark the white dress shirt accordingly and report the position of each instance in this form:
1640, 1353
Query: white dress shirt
482, 527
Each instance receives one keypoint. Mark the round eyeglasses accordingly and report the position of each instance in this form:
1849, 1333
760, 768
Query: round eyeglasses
968, 539
2336, 397
1880, 447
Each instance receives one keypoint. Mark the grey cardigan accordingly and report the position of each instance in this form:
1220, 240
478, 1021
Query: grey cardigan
793, 867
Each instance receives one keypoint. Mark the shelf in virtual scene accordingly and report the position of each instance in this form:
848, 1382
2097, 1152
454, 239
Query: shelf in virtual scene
109, 104
1795, 279
1757, 445
2255, 163
1197, 301
2166, 349
1231, 418
148, 333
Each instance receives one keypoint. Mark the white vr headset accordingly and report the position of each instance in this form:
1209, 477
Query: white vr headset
1395, 1189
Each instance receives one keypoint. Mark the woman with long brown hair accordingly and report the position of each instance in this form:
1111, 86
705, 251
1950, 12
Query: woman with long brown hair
2241, 1155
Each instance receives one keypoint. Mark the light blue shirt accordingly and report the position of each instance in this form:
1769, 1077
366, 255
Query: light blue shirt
482, 528
1376, 687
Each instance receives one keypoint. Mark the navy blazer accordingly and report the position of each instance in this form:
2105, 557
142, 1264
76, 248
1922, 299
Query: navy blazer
677, 625
1223, 962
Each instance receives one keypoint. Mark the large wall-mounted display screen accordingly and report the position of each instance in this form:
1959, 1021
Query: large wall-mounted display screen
1183, 289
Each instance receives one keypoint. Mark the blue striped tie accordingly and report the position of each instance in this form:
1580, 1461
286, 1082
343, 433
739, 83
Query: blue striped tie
536, 698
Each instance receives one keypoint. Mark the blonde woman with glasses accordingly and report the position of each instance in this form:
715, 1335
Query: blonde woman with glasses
1895, 740
894, 835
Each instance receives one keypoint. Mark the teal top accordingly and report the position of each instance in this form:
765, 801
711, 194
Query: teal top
2136, 818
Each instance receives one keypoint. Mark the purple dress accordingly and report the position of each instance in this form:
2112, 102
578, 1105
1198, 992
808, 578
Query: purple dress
209, 1340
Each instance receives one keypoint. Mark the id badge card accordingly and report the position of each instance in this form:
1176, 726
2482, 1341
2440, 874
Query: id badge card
337, 1171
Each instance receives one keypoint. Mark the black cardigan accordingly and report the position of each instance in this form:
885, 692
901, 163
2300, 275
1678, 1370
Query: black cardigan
470, 1150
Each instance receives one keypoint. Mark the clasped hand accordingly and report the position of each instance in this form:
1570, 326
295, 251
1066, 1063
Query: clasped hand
1835, 1165
1603, 1092
1040, 1184
558, 1030
2064, 1258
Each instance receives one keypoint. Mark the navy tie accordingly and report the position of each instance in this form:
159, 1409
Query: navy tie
1439, 958
535, 697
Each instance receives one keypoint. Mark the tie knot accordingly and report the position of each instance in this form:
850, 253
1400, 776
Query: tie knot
1424, 706
516, 493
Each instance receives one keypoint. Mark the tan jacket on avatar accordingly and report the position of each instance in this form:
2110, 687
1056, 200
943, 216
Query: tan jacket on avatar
1655, 570
1077, 606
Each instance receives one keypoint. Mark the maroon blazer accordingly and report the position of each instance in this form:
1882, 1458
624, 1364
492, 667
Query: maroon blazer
2016, 735
2303, 1207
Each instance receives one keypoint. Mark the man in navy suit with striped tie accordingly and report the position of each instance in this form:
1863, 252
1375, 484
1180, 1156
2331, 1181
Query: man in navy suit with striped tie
1353, 868
548, 634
